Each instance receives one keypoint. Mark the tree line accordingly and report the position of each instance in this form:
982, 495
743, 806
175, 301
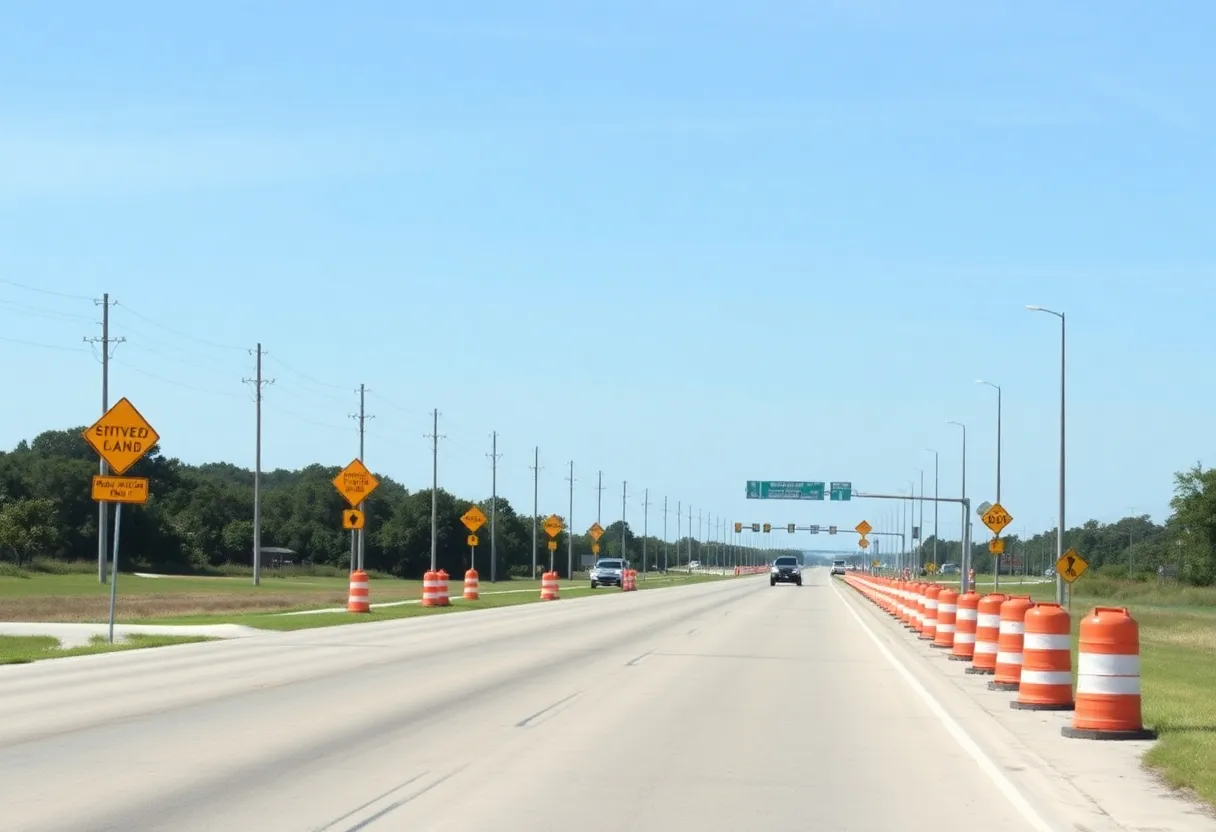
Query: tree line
199, 518
1181, 548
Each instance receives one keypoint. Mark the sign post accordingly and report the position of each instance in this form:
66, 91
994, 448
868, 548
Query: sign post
1069, 567
996, 519
121, 437
355, 483
553, 526
473, 520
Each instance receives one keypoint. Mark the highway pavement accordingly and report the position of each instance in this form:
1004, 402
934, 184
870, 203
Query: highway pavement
724, 706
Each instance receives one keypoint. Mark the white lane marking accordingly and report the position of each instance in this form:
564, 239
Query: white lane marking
960, 735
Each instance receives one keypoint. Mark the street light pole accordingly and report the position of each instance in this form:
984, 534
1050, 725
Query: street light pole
965, 566
996, 558
936, 495
1060, 528
996, 387
920, 530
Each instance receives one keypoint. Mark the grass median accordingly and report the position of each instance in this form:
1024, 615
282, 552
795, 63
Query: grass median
25, 649
189, 600
1177, 666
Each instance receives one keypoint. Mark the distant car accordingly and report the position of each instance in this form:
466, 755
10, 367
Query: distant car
607, 572
949, 569
694, 564
785, 570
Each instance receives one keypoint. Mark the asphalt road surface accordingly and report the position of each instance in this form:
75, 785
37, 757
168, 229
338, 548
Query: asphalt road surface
722, 706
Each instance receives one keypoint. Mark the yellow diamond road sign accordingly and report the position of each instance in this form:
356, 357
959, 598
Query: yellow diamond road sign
1071, 566
863, 528
863, 543
996, 518
121, 437
355, 483
473, 519
553, 525
596, 531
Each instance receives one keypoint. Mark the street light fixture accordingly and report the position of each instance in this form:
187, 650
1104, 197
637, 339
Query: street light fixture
1060, 522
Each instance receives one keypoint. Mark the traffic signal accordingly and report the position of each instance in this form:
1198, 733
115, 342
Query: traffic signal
738, 528
831, 530
768, 527
755, 527
790, 528
814, 529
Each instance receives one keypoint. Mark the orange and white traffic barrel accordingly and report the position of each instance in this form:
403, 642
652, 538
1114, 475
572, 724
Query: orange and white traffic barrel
987, 633
1108, 679
548, 586
928, 630
442, 599
916, 607
1046, 683
430, 589
964, 627
472, 585
947, 613
1010, 641
359, 599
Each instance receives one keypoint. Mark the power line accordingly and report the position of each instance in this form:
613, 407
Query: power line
44, 291
176, 332
25, 343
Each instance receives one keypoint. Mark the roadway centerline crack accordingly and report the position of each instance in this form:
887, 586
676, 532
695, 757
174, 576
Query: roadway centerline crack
529, 721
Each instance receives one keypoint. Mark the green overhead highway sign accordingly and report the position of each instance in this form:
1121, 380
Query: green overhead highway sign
784, 490
842, 491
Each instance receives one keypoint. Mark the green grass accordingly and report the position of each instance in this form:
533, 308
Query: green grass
215, 600
496, 595
25, 649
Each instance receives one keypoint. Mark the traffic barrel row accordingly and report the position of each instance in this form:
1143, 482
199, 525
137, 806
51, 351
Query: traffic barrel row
1026, 646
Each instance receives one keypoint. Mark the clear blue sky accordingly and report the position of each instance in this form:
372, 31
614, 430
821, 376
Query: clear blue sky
689, 242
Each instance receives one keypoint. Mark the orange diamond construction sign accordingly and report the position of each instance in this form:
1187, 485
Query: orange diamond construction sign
121, 437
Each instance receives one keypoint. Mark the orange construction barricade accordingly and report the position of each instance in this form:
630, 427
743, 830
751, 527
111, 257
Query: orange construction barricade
359, 599
1008, 671
548, 586
964, 627
430, 589
472, 586
928, 630
442, 598
947, 614
987, 633
1046, 660
1108, 679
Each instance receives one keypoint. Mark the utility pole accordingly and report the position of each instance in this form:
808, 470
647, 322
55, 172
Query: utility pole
570, 528
690, 540
599, 500
535, 504
664, 534
361, 417
679, 528
624, 498
494, 456
103, 509
434, 436
258, 384
645, 525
